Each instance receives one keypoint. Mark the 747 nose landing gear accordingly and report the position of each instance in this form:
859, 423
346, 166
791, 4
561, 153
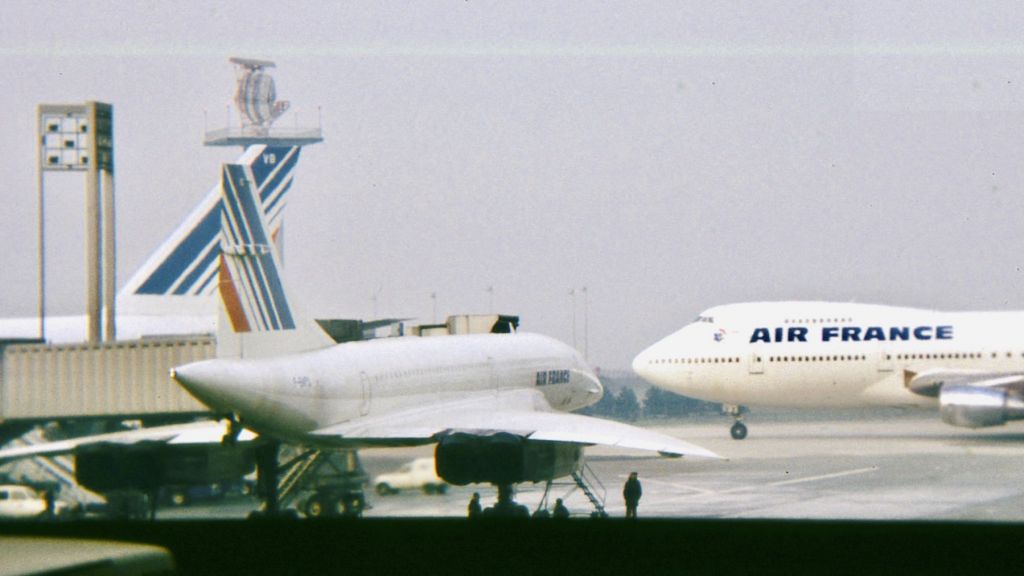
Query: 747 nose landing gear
739, 429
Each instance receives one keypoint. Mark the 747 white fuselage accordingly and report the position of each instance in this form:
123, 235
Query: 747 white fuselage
822, 354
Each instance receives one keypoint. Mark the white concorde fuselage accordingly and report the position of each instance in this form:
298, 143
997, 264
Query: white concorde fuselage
296, 394
822, 354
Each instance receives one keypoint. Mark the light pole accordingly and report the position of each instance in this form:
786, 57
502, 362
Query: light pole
586, 324
80, 138
375, 298
572, 300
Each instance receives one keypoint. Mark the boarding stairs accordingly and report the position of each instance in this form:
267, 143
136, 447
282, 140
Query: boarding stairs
294, 471
332, 476
591, 486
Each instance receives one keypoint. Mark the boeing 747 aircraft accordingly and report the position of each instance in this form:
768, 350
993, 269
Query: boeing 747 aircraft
495, 405
822, 354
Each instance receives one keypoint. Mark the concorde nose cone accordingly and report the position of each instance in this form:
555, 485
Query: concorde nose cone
211, 381
594, 386
587, 382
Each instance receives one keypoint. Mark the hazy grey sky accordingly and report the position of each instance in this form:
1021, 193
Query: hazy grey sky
668, 156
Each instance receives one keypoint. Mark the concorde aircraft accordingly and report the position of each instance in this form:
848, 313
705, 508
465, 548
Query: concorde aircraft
825, 354
495, 405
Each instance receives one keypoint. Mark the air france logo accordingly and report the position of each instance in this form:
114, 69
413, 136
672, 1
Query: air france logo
853, 333
552, 377
720, 335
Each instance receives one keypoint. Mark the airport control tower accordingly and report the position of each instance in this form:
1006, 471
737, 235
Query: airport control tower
258, 108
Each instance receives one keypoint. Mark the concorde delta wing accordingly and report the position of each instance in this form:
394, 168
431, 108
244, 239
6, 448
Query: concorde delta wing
523, 413
207, 432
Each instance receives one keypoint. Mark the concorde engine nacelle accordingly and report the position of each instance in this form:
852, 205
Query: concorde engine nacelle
147, 466
976, 407
503, 458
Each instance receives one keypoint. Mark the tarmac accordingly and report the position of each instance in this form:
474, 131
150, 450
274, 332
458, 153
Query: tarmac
815, 494
876, 467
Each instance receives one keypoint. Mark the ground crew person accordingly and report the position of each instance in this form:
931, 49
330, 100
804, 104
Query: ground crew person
474, 505
631, 493
560, 510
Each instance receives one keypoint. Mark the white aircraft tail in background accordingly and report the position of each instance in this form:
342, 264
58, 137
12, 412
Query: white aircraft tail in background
186, 263
174, 291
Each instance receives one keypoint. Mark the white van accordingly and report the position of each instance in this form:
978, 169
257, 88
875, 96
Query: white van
20, 502
419, 473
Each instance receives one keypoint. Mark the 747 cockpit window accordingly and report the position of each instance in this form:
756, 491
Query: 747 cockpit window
707, 319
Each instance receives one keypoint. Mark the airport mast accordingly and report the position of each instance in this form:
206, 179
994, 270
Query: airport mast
258, 108
79, 138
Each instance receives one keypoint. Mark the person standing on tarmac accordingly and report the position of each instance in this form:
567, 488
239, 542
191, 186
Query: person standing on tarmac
631, 493
51, 511
474, 505
560, 510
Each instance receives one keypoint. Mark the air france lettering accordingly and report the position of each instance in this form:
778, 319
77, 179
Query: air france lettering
552, 377
853, 333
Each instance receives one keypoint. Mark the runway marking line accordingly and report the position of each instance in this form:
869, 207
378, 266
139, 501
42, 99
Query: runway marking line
675, 485
705, 492
807, 479
826, 476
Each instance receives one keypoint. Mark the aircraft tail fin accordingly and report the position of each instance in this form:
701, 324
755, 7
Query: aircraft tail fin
257, 318
181, 275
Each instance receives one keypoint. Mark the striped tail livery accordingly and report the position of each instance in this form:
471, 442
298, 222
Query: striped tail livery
255, 305
186, 263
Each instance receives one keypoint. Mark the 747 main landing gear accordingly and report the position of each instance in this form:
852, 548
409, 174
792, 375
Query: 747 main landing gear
739, 429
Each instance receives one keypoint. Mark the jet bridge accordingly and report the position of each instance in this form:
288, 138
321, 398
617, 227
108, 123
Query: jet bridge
125, 379
130, 378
